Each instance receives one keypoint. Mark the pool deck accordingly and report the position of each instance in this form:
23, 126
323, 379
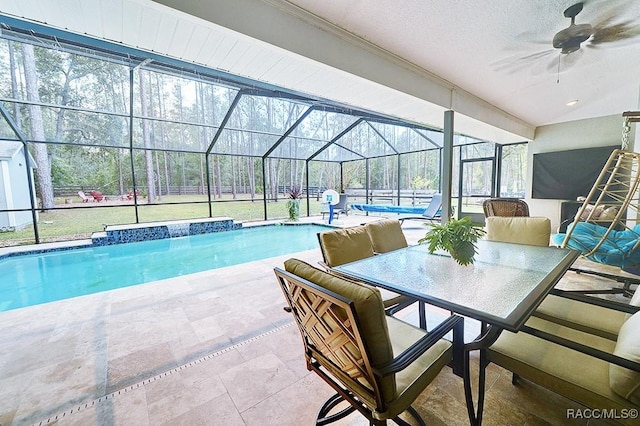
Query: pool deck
211, 348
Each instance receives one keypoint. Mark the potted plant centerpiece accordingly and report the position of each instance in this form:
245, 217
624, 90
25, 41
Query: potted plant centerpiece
458, 237
293, 203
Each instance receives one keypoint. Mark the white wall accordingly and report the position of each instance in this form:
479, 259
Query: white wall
14, 192
602, 131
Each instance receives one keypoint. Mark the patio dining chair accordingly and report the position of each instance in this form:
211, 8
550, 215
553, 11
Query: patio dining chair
597, 372
587, 314
376, 363
346, 245
386, 235
506, 207
520, 230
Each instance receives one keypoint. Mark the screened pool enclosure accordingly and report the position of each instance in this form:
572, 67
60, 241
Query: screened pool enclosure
118, 136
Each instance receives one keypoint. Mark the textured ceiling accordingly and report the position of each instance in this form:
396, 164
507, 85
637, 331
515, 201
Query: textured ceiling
489, 60
501, 50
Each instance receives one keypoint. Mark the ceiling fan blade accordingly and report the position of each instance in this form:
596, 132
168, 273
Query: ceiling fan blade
611, 27
612, 33
517, 62
532, 37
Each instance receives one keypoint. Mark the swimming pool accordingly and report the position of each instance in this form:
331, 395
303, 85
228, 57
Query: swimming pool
33, 279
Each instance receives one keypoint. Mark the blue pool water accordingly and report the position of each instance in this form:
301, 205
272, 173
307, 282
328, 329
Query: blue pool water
32, 279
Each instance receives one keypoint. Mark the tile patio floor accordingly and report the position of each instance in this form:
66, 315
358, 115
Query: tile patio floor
212, 348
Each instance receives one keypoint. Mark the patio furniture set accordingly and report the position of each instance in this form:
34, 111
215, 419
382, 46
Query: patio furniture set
582, 347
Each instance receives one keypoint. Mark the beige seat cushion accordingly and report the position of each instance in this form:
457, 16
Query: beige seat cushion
412, 381
635, 299
583, 316
346, 245
521, 230
386, 235
623, 381
558, 368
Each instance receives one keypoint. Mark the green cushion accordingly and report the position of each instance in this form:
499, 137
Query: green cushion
635, 299
386, 235
520, 230
623, 381
412, 381
368, 306
582, 316
577, 376
345, 245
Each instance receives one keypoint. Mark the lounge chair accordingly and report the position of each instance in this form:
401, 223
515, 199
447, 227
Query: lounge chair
84, 197
431, 213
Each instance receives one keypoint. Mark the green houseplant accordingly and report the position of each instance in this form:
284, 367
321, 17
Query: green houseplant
293, 203
458, 237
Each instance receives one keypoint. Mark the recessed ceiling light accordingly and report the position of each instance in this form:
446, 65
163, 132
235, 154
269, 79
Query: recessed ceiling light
573, 102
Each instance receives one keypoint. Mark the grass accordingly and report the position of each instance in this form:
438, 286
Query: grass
78, 223
66, 223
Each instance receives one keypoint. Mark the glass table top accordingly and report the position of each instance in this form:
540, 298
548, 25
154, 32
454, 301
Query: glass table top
503, 286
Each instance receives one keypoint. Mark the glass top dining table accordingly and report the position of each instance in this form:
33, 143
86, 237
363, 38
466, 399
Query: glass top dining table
502, 287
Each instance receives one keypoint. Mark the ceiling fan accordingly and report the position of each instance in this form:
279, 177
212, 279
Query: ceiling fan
609, 30
571, 38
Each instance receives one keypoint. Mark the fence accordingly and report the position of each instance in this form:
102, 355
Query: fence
389, 196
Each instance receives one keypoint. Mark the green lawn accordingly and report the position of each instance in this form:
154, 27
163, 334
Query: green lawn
78, 223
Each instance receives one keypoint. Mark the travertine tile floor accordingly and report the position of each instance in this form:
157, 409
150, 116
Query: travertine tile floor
213, 348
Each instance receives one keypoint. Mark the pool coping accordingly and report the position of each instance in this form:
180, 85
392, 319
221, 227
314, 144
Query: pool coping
95, 240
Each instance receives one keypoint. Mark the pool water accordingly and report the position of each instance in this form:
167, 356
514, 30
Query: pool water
33, 279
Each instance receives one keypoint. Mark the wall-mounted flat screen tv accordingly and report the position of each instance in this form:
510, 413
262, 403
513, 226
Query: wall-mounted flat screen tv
567, 175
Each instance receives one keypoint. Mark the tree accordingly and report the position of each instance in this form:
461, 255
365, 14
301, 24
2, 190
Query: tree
14, 83
146, 136
40, 153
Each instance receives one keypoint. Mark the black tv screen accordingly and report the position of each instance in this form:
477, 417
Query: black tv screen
567, 175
